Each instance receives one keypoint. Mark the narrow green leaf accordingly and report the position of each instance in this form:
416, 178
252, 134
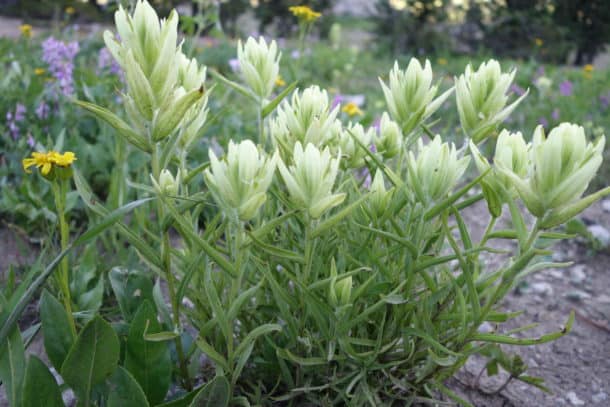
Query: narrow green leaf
273, 104
118, 124
441, 206
57, 334
254, 334
277, 251
216, 393
336, 218
239, 88
286, 354
12, 367
212, 354
93, 357
40, 387
149, 362
125, 390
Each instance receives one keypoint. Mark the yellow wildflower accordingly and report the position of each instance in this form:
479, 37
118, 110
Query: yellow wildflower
538, 42
352, 109
305, 13
39, 71
442, 61
46, 161
70, 10
26, 30
279, 81
588, 68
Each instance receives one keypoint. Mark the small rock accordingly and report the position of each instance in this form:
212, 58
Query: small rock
560, 256
606, 205
599, 397
574, 400
603, 299
485, 327
577, 295
600, 233
577, 274
542, 288
556, 273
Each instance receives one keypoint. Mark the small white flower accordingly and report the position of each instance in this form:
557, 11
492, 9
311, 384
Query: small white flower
259, 64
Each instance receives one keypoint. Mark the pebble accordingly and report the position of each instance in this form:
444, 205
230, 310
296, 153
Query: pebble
603, 299
574, 400
485, 327
577, 295
556, 273
606, 205
599, 397
577, 274
542, 288
600, 233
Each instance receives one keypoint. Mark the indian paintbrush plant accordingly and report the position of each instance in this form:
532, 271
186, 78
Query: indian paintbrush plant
313, 284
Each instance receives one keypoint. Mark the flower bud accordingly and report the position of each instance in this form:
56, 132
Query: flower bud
354, 154
389, 140
339, 292
560, 168
380, 199
259, 64
167, 184
481, 99
435, 171
239, 183
311, 178
306, 119
410, 95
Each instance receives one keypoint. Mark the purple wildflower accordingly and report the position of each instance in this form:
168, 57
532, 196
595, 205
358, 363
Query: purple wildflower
60, 58
234, 64
13, 118
565, 88
604, 100
543, 121
31, 141
518, 90
337, 100
555, 114
105, 60
42, 110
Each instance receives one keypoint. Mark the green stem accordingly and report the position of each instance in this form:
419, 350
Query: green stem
309, 249
167, 269
261, 125
60, 188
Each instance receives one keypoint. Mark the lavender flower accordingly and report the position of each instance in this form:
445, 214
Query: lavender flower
13, 118
555, 114
565, 88
234, 64
518, 90
31, 141
106, 61
604, 100
60, 58
543, 121
42, 110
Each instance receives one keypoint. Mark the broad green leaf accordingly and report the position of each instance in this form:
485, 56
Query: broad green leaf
12, 367
216, 393
40, 387
130, 288
184, 401
57, 334
125, 390
93, 357
149, 362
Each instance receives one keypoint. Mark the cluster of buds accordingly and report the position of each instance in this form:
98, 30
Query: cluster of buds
410, 95
307, 118
240, 181
311, 178
558, 172
482, 97
260, 65
159, 96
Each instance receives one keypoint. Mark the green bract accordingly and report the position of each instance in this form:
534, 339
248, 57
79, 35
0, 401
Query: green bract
482, 97
560, 168
311, 178
259, 64
410, 95
240, 182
